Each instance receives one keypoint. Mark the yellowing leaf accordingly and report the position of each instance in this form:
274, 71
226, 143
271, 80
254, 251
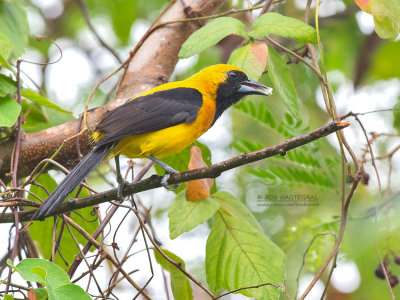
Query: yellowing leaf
386, 18
252, 59
364, 5
200, 188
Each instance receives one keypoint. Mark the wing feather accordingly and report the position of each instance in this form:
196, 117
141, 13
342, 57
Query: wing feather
150, 113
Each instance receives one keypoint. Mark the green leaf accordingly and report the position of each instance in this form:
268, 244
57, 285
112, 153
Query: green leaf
280, 76
41, 294
7, 86
185, 215
9, 111
261, 114
56, 117
70, 291
180, 161
238, 254
5, 46
396, 114
180, 285
35, 120
51, 275
275, 23
42, 232
386, 18
252, 59
5, 64
41, 100
211, 34
14, 25
8, 297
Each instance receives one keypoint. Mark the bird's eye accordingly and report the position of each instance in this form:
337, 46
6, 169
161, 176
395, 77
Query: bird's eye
233, 75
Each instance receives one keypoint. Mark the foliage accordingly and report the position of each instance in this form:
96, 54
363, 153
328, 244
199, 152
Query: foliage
275, 23
237, 246
180, 284
55, 281
283, 83
185, 215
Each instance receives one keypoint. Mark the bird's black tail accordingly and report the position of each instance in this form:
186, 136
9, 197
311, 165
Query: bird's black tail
72, 180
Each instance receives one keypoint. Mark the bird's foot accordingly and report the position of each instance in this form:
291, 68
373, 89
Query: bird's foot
164, 180
121, 185
168, 171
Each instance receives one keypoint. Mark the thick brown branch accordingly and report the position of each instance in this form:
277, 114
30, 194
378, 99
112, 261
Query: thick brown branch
207, 172
151, 65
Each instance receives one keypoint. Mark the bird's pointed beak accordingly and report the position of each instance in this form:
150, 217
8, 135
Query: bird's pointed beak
251, 87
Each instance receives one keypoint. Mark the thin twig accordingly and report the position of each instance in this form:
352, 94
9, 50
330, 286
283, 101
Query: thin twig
343, 223
92, 241
371, 152
104, 222
305, 254
159, 250
85, 13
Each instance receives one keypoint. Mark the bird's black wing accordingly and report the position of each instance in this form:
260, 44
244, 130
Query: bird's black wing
150, 113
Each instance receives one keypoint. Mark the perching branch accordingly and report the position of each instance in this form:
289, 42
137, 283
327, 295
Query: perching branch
207, 172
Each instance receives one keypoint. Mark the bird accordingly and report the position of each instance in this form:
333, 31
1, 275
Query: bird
158, 123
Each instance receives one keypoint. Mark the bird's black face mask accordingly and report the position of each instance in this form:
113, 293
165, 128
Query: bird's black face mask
236, 86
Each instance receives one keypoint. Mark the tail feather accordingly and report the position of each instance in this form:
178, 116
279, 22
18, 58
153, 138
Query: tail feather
72, 180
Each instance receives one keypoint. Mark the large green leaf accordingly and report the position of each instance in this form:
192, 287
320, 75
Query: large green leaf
185, 215
251, 58
31, 269
55, 280
41, 100
386, 18
211, 34
42, 231
238, 253
180, 285
9, 111
280, 76
275, 23
14, 25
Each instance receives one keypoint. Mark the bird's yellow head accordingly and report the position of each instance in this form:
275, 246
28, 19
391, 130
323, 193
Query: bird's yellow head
228, 84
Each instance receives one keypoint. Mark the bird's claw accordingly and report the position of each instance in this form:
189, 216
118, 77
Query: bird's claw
164, 181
